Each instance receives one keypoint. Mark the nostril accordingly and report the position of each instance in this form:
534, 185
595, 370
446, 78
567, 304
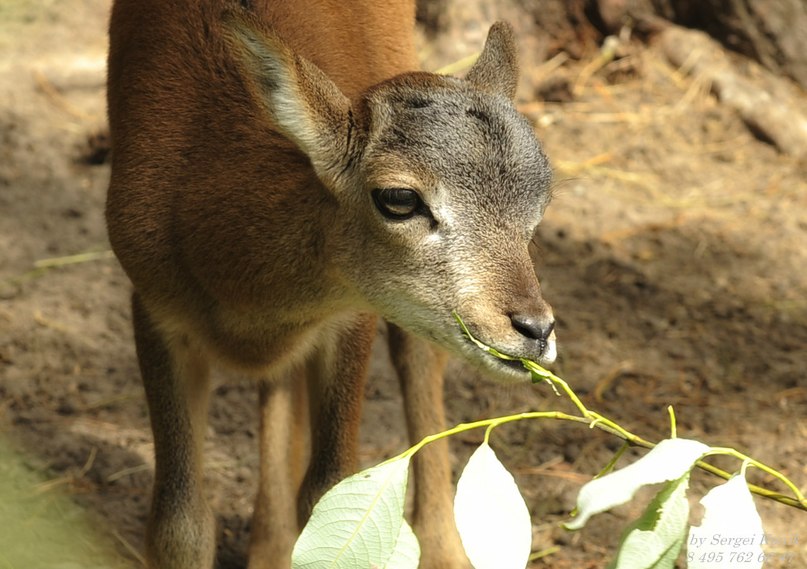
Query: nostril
532, 327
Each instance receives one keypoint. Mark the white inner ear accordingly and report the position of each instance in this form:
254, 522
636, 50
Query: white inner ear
294, 117
278, 79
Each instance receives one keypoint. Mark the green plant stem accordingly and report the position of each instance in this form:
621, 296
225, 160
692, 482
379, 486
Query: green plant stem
544, 553
799, 500
612, 463
43, 266
490, 423
87, 257
459, 65
594, 419
673, 424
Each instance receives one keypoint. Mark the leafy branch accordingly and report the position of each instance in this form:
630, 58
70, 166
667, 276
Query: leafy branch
594, 419
360, 522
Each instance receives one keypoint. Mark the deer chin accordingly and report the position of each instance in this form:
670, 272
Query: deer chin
455, 341
498, 369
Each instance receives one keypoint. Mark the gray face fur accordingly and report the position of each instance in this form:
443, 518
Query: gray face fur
483, 180
474, 142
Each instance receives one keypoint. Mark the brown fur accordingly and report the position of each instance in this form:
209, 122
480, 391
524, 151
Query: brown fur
249, 145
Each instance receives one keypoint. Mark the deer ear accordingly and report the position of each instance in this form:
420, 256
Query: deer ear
496, 70
302, 102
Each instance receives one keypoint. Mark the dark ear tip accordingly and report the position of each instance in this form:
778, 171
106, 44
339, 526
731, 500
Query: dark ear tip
232, 17
239, 22
503, 30
236, 25
502, 35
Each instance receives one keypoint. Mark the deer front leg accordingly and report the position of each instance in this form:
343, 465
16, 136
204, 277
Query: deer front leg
420, 368
181, 529
336, 390
274, 521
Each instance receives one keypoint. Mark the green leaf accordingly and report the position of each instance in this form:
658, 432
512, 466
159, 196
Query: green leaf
358, 522
492, 518
731, 533
41, 527
407, 550
655, 539
669, 460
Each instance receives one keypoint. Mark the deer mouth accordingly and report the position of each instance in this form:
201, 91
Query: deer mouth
505, 363
507, 370
510, 364
490, 359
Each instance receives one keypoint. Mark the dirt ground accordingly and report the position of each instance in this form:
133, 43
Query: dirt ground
674, 255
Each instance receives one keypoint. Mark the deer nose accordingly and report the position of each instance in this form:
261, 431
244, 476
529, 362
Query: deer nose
532, 327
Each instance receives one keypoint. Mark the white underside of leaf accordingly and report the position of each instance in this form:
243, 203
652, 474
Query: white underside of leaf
407, 550
492, 518
731, 526
669, 460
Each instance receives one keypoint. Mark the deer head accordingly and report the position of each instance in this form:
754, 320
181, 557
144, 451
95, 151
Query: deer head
439, 184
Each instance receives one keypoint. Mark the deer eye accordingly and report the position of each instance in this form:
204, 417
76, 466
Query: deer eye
398, 203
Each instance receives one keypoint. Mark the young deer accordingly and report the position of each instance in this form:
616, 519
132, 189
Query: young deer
279, 179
